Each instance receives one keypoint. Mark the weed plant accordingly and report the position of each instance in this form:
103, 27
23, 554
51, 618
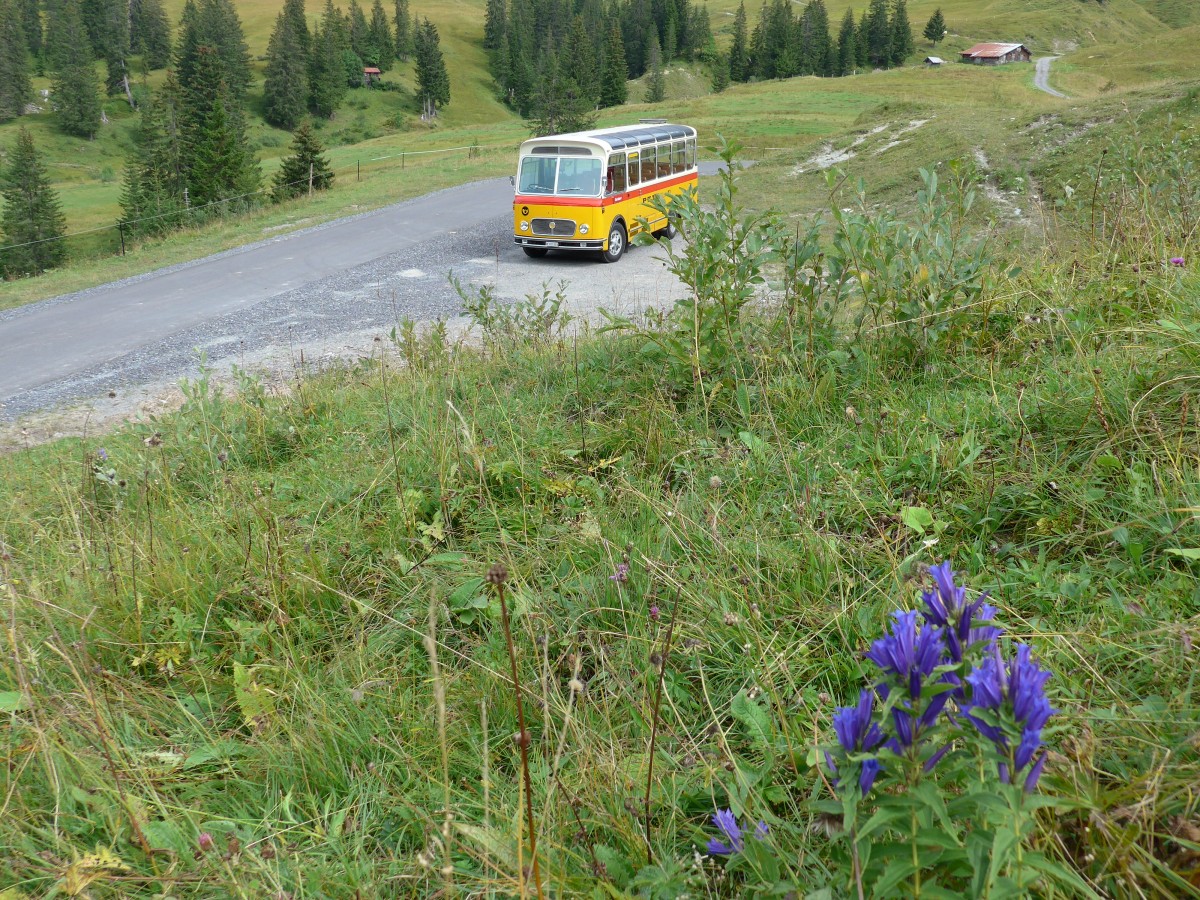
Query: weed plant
251, 651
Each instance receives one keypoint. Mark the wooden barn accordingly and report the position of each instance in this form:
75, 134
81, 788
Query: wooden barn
996, 54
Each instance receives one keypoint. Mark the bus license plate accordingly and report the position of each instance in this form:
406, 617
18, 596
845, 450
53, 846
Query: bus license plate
551, 243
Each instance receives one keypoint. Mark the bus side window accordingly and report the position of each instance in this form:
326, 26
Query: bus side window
678, 157
648, 164
634, 169
664, 160
691, 153
615, 183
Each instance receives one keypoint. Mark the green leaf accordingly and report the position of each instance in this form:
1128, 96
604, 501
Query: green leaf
11, 701
756, 719
1191, 553
918, 518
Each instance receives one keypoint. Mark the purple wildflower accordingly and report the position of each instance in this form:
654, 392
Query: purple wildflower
621, 575
946, 606
857, 733
910, 656
1020, 688
734, 842
102, 453
655, 612
1177, 260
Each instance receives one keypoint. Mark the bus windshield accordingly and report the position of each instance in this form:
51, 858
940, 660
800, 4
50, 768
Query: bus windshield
560, 175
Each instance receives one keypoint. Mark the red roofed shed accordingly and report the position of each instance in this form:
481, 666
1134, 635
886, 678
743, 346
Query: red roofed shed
996, 54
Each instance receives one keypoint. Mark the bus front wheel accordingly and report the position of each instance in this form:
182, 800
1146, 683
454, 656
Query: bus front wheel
616, 243
535, 252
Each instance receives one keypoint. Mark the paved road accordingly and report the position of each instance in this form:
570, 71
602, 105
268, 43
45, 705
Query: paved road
345, 277
1041, 77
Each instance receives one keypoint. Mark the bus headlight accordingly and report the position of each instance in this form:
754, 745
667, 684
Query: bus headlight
524, 226
583, 229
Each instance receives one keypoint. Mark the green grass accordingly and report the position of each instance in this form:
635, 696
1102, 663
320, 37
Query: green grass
218, 625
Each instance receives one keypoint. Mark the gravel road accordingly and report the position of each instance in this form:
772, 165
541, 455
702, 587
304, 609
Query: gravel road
1041, 77
275, 326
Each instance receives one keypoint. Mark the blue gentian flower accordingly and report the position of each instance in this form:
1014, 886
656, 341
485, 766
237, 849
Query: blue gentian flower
734, 842
910, 656
946, 606
1020, 689
857, 733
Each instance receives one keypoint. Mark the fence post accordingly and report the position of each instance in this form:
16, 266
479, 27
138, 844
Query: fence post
310, 176
121, 229
358, 164
402, 160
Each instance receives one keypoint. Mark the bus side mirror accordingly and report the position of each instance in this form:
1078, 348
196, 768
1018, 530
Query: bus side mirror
512, 181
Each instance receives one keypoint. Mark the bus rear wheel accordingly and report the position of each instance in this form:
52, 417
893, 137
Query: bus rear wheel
667, 231
616, 243
535, 252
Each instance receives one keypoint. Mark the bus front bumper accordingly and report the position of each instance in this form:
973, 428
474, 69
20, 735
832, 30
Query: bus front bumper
558, 244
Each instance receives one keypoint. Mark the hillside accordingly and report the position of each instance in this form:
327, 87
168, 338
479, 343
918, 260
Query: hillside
376, 124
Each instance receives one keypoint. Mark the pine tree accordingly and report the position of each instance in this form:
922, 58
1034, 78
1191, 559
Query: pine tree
739, 69
221, 29
433, 82
74, 93
862, 42
222, 166
816, 57
699, 34
494, 24
31, 23
187, 47
879, 34
326, 74
150, 33
580, 65
32, 220
114, 49
558, 104
656, 83
306, 166
902, 45
935, 28
294, 11
720, 73
847, 58
360, 33
760, 63
152, 198
404, 31
383, 45
16, 91
285, 87
613, 72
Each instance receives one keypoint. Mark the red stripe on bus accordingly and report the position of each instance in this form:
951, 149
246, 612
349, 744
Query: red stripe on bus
540, 200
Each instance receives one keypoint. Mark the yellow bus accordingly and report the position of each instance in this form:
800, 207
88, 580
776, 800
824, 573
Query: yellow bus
587, 190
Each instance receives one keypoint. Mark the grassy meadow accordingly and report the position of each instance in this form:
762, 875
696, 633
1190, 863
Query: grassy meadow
251, 652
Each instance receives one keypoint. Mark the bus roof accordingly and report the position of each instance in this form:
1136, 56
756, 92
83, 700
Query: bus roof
621, 137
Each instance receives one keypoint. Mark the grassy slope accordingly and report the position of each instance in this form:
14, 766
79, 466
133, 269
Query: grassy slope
276, 538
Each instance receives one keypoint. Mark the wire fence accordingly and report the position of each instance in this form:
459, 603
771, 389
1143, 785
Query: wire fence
117, 238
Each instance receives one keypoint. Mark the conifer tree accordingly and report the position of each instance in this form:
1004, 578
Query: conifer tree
360, 33
404, 31
816, 57
760, 62
656, 83
222, 166
114, 48
285, 87
935, 28
383, 45
306, 166
32, 222
294, 11
494, 22
558, 104
699, 34
720, 73
74, 94
152, 200
879, 34
16, 91
187, 47
902, 44
739, 69
150, 33
326, 73
613, 72
862, 41
847, 54
31, 23
221, 29
580, 61
433, 82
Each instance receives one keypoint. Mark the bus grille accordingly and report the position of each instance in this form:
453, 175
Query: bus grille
554, 227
